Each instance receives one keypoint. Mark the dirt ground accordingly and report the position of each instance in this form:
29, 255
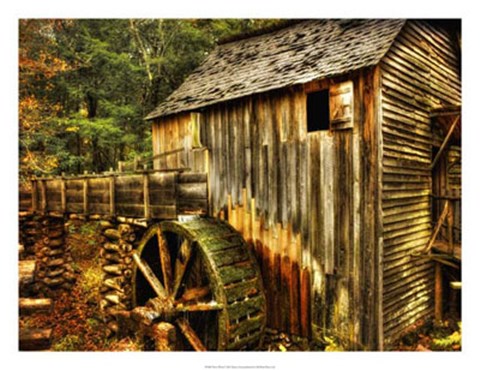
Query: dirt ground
77, 326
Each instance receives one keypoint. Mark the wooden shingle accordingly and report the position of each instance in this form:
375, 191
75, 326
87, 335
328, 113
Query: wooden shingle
297, 54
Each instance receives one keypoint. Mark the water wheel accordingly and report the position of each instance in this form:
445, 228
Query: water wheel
200, 277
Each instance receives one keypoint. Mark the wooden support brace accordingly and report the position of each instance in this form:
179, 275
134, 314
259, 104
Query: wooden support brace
437, 227
445, 142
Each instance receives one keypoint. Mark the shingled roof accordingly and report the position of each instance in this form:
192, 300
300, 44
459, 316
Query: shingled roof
297, 54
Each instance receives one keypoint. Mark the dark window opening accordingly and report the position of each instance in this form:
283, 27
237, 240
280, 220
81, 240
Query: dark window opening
318, 111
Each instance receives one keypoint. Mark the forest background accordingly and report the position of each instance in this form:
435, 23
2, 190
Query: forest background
85, 85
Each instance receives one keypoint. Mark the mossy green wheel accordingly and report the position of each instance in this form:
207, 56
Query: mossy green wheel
201, 277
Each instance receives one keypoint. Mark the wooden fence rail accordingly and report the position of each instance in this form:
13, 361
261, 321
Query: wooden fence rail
146, 195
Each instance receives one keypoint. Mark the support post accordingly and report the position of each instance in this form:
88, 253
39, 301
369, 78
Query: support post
63, 193
34, 196
111, 188
85, 194
438, 292
164, 336
450, 222
43, 196
146, 196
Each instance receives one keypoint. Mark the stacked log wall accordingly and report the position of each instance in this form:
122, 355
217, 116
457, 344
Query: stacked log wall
43, 239
420, 72
121, 240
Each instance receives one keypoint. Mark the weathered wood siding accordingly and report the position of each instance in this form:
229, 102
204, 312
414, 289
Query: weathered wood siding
302, 202
177, 138
419, 72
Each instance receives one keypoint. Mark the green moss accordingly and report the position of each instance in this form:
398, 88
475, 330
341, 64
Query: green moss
450, 342
68, 343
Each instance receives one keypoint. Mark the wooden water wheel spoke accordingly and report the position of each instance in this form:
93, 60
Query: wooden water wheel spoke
190, 334
199, 307
181, 263
165, 261
194, 294
150, 276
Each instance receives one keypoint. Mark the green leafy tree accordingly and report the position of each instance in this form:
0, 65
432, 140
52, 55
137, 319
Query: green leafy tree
86, 84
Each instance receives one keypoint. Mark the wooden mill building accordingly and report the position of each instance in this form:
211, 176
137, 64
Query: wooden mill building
320, 142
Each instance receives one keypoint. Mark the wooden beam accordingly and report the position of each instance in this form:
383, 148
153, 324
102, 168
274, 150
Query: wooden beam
35, 339
29, 306
26, 270
437, 227
190, 334
150, 276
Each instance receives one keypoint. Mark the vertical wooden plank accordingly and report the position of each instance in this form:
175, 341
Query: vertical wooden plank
376, 111
305, 302
232, 163
316, 231
303, 159
34, 195
292, 180
294, 271
155, 143
224, 180
270, 174
255, 148
146, 196
111, 192
162, 145
282, 185
85, 195
218, 160
356, 274
43, 196
63, 193
240, 150
247, 111
327, 200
